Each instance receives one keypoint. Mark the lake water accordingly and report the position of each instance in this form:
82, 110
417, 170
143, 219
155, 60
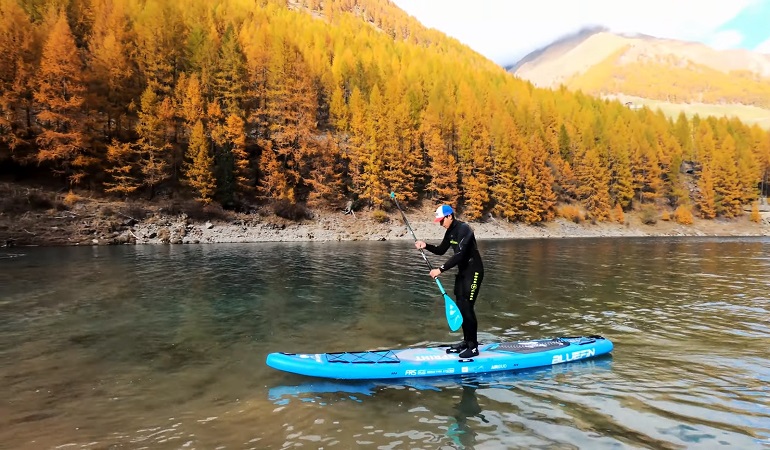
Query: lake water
163, 347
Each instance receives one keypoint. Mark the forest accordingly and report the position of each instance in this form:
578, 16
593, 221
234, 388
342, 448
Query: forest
314, 103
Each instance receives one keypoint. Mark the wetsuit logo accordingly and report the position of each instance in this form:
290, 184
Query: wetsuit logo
474, 286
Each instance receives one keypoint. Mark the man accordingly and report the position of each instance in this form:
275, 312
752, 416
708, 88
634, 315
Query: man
459, 236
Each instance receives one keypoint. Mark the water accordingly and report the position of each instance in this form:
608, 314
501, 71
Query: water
163, 347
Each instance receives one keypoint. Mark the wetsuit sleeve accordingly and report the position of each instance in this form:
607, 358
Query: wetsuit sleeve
465, 241
441, 248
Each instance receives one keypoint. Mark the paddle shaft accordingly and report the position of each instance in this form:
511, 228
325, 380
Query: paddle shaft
409, 227
453, 315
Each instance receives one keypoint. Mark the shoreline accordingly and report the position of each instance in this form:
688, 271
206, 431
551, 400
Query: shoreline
94, 223
336, 227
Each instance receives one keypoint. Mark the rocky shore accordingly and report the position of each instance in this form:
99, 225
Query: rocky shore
85, 225
32, 216
337, 227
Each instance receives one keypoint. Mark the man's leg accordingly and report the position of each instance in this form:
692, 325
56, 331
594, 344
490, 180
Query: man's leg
471, 284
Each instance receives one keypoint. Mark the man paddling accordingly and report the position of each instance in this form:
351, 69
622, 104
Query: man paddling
467, 258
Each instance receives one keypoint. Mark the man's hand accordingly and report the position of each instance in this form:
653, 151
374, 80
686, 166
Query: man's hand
419, 244
435, 273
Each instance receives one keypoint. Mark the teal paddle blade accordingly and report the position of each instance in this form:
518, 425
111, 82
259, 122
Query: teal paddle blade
453, 316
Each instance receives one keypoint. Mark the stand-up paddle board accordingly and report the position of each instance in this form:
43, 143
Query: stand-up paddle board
435, 361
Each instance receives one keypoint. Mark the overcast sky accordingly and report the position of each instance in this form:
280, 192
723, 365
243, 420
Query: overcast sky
506, 30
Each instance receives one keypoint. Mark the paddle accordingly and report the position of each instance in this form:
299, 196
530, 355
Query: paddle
453, 316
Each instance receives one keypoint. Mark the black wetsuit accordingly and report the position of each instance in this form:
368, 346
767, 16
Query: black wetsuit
470, 272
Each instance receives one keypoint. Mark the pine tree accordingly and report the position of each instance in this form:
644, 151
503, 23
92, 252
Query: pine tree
18, 51
200, 168
683, 134
123, 168
229, 80
159, 38
442, 164
564, 142
621, 179
507, 195
290, 112
372, 189
235, 136
537, 182
153, 147
326, 177
726, 184
112, 70
706, 193
403, 164
593, 185
60, 97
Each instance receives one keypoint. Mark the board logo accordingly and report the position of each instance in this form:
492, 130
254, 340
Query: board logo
316, 357
433, 357
410, 372
580, 354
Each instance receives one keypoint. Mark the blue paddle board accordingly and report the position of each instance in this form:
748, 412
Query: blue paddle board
435, 361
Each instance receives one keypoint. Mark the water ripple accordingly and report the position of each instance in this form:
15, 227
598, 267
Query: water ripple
163, 346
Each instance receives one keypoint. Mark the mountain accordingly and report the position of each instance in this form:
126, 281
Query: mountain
662, 73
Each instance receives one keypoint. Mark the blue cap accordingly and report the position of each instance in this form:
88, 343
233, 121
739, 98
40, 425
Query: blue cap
443, 211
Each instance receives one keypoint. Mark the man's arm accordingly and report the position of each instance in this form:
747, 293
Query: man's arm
441, 248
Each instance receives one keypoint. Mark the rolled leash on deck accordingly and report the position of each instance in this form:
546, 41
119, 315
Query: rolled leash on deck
453, 316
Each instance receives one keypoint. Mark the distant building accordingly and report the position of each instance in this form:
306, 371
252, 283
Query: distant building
633, 106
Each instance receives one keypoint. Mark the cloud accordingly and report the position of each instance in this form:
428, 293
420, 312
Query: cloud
752, 22
763, 47
723, 40
506, 30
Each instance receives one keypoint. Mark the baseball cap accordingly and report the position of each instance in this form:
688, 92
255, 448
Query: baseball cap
443, 211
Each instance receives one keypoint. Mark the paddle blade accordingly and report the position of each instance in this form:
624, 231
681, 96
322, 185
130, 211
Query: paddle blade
453, 316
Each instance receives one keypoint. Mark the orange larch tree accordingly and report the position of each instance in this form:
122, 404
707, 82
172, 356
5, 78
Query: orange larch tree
153, 147
537, 181
199, 169
506, 191
59, 96
593, 185
18, 52
726, 184
112, 71
442, 169
123, 168
706, 199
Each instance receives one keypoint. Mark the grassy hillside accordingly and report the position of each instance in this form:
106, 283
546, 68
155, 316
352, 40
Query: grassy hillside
672, 79
674, 76
750, 115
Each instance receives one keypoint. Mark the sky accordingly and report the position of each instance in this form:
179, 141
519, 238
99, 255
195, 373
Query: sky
507, 30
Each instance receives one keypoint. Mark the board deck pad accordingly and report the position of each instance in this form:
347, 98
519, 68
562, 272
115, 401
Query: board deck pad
529, 347
435, 361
